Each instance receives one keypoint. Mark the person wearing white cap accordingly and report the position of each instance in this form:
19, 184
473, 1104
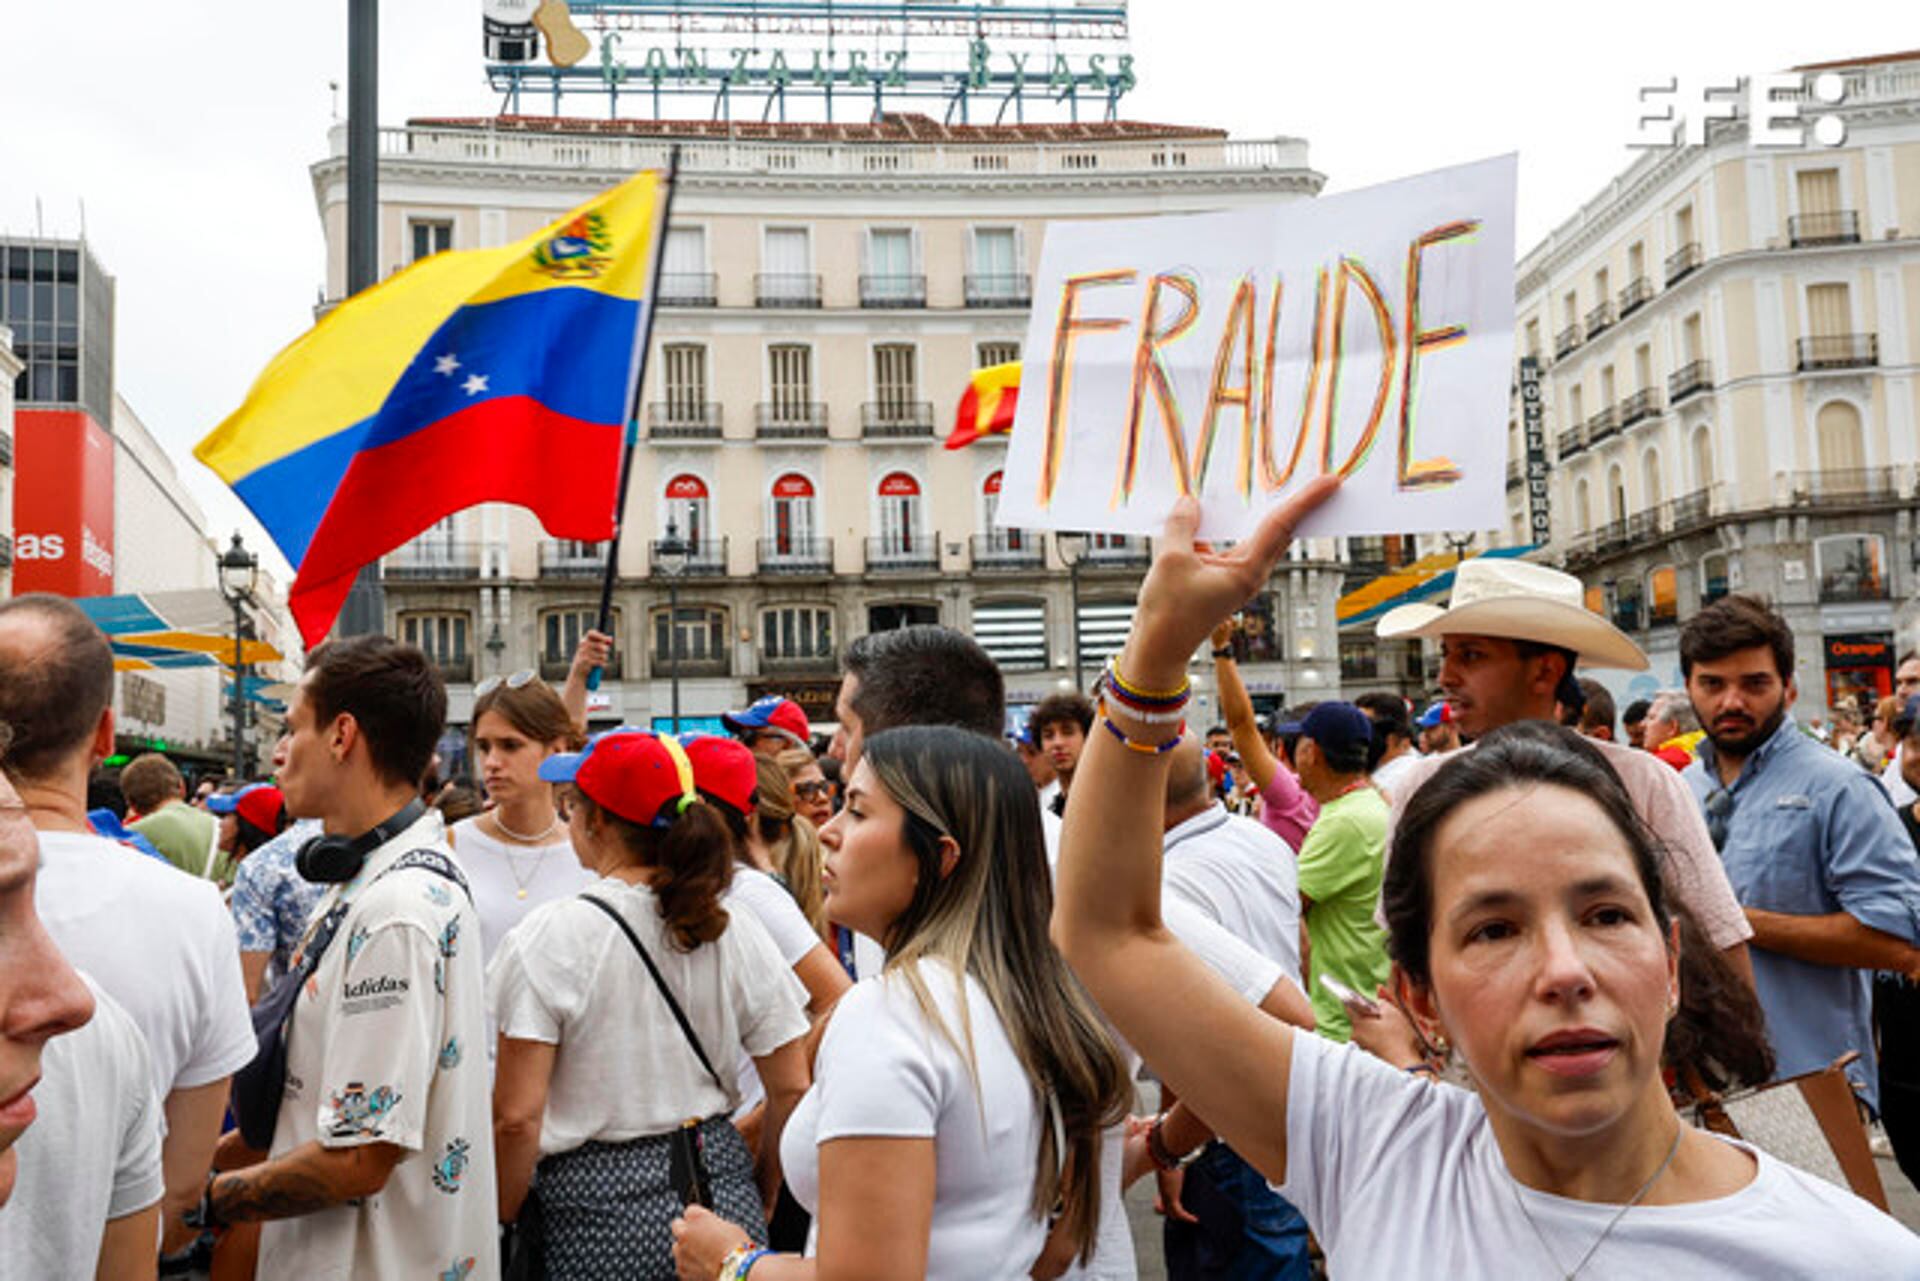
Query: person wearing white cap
1510, 637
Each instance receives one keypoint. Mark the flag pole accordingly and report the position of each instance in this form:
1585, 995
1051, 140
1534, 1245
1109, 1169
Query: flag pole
643, 341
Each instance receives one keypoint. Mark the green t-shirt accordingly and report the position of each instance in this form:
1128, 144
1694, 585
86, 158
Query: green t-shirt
1341, 863
185, 834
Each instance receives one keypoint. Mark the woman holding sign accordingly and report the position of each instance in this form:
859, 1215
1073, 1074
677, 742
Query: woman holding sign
1528, 922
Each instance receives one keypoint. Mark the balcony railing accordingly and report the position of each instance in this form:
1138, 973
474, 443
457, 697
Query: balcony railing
790, 420
1834, 227
1566, 340
704, 559
1685, 259
1642, 404
1643, 525
457, 669
1839, 351
1695, 375
689, 664
895, 554
1610, 535
1626, 615
999, 291
689, 289
435, 561
892, 419
554, 670
1000, 553
787, 289
1688, 510
893, 291
1128, 555
1601, 317
561, 559
1603, 424
1638, 293
683, 420
1573, 440
796, 555
1843, 484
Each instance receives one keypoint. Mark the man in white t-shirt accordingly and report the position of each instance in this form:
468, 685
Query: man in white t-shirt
382, 1153
158, 940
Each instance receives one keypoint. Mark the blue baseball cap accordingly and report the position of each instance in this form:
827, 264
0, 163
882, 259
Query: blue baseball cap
1340, 729
772, 714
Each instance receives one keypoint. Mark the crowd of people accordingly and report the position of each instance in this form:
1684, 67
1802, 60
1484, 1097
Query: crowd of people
1438, 987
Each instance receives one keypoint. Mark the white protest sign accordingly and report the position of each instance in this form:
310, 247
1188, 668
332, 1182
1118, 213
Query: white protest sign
1236, 355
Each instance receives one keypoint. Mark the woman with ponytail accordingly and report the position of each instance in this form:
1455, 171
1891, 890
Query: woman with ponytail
973, 1056
597, 1070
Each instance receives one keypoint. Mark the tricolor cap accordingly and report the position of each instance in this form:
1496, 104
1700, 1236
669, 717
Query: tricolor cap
780, 715
1439, 714
642, 776
259, 803
724, 770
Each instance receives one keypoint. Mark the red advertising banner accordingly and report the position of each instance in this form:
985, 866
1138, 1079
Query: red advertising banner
62, 504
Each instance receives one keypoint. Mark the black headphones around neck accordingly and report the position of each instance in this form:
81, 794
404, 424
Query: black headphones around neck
329, 860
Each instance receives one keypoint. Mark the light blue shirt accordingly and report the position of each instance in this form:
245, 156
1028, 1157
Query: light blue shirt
1811, 833
271, 901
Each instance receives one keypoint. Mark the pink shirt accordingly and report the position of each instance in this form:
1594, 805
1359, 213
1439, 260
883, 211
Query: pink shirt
1689, 864
1286, 808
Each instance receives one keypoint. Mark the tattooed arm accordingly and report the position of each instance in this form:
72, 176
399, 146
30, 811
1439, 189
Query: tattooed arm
307, 1179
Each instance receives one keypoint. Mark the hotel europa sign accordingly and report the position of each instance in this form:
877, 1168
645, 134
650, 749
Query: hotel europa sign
977, 57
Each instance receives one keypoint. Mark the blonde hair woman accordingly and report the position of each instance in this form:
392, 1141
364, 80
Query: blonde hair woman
973, 1056
781, 842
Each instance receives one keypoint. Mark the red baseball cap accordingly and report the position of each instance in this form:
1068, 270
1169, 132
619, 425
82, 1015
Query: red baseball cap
780, 715
1216, 767
724, 769
640, 775
259, 803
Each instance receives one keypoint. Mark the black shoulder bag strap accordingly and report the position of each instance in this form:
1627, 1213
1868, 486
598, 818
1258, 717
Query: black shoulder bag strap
679, 1016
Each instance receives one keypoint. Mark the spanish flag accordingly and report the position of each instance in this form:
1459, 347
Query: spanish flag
486, 375
987, 408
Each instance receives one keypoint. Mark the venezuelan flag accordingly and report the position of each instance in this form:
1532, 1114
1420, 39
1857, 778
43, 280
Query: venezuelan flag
987, 407
485, 375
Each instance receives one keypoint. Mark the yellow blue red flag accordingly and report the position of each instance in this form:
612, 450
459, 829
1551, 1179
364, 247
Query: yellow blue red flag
987, 407
484, 375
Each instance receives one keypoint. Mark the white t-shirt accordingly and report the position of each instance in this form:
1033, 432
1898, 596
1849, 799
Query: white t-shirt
1403, 1178
383, 1048
1242, 876
509, 881
884, 1071
1388, 776
161, 943
91, 1156
793, 937
567, 976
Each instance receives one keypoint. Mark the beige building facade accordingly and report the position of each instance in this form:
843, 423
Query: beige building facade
826, 294
1730, 340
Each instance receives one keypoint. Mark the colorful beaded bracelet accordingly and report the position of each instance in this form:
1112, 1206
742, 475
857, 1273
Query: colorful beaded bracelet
737, 1264
1173, 717
1145, 749
1134, 694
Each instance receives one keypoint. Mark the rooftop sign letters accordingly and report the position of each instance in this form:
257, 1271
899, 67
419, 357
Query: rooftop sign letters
997, 56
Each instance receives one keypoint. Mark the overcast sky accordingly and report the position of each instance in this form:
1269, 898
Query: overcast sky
186, 130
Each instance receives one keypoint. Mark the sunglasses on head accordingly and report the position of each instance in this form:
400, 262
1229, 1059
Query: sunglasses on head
520, 678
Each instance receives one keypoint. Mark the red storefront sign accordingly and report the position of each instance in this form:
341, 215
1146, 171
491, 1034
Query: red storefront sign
686, 487
62, 504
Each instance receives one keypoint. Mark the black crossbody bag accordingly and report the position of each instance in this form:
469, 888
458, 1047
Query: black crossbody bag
688, 1162
259, 1086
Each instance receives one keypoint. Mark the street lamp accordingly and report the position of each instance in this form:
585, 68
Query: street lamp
671, 555
1072, 547
239, 575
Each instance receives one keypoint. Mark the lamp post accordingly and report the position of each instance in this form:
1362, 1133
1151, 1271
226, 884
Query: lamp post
1072, 548
671, 555
239, 574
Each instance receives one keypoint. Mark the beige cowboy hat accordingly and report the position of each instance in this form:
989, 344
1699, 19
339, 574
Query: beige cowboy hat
1519, 601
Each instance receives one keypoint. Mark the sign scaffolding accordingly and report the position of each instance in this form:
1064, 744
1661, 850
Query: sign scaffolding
972, 56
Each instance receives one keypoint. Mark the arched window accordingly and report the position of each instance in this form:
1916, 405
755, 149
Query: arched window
1616, 493
1716, 571
1702, 457
995, 542
792, 516
899, 499
1582, 506
686, 509
1837, 429
1663, 595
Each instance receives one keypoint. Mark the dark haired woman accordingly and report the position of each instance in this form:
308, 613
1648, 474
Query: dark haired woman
959, 1097
595, 1073
1526, 915
517, 854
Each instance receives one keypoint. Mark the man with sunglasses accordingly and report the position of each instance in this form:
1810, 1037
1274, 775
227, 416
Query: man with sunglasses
1816, 854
